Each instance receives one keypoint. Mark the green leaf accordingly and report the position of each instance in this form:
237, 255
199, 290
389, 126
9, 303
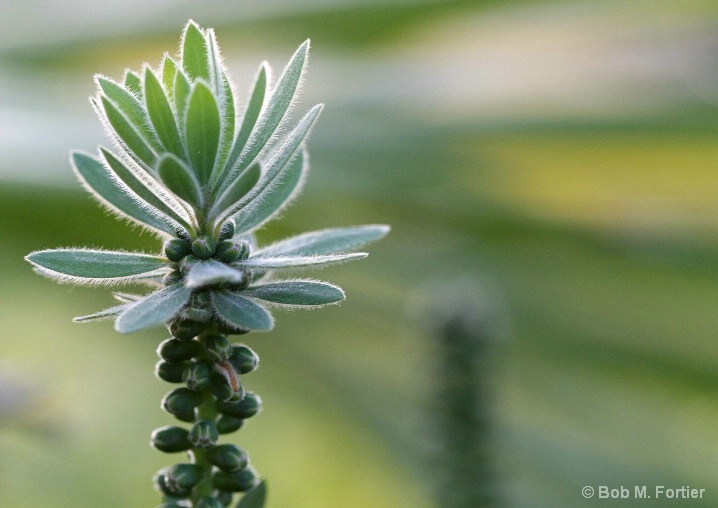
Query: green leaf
297, 292
228, 203
274, 197
227, 135
133, 83
102, 315
127, 134
273, 262
116, 196
94, 266
241, 312
180, 179
210, 272
326, 241
248, 122
202, 130
130, 107
254, 498
181, 94
161, 114
169, 73
214, 59
155, 309
194, 53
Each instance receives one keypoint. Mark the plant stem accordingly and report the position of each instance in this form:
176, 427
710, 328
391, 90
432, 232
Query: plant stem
205, 488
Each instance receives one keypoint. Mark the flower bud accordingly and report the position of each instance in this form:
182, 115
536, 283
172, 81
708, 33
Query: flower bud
202, 300
209, 502
243, 359
196, 376
228, 424
183, 477
204, 247
227, 230
187, 263
172, 277
229, 251
204, 434
171, 439
176, 350
224, 497
181, 402
241, 481
176, 248
217, 347
228, 457
170, 372
249, 406
166, 488
224, 383
183, 328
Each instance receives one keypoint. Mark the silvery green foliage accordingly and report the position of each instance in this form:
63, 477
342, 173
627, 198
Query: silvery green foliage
186, 167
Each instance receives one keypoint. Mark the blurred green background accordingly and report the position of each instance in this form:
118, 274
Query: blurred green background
562, 153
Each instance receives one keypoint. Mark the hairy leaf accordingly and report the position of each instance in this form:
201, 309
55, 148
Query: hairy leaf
228, 203
241, 312
131, 107
154, 309
169, 73
272, 262
194, 52
161, 115
254, 498
127, 134
133, 83
209, 272
182, 90
102, 315
202, 130
326, 241
297, 292
180, 179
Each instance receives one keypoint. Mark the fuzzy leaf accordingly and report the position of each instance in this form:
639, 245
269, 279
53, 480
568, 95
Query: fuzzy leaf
116, 196
126, 297
169, 73
254, 498
102, 315
326, 241
181, 95
227, 135
194, 52
202, 130
272, 262
274, 197
155, 309
88, 265
130, 106
214, 59
241, 312
228, 202
297, 292
209, 272
180, 179
133, 83
127, 134
161, 115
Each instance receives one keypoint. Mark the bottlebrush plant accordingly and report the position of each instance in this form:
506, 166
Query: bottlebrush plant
203, 179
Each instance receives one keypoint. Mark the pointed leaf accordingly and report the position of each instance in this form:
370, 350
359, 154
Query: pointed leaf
181, 95
241, 312
326, 241
297, 292
131, 107
161, 115
180, 179
94, 266
102, 315
126, 297
227, 203
227, 118
169, 73
254, 498
133, 83
155, 309
209, 272
214, 60
116, 196
194, 52
202, 130
127, 134
273, 262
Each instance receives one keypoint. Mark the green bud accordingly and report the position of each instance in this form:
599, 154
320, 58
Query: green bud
176, 350
196, 376
224, 384
229, 251
249, 406
202, 299
187, 263
181, 402
166, 488
241, 481
228, 424
170, 372
224, 497
243, 359
171, 439
204, 434
217, 347
183, 477
204, 247
172, 277
209, 502
183, 328
176, 248
228, 457
227, 230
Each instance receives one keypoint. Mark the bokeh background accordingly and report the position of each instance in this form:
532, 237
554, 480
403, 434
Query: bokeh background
561, 154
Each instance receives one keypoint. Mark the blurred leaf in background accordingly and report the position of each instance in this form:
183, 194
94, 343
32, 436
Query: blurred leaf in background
567, 149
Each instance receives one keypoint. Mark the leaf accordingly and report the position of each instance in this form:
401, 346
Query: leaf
181, 94
227, 203
169, 73
272, 262
241, 312
194, 52
254, 107
155, 309
94, 266
126, 133
130, 107
214, 59
126, 297
273, 198
116, 196
210, 272
254, 498
227, 114
297, 292
180, 179
161, 115
102, 315
133, 83
326, 241
202, 130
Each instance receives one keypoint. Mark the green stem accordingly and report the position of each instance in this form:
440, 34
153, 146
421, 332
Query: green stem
205, 488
